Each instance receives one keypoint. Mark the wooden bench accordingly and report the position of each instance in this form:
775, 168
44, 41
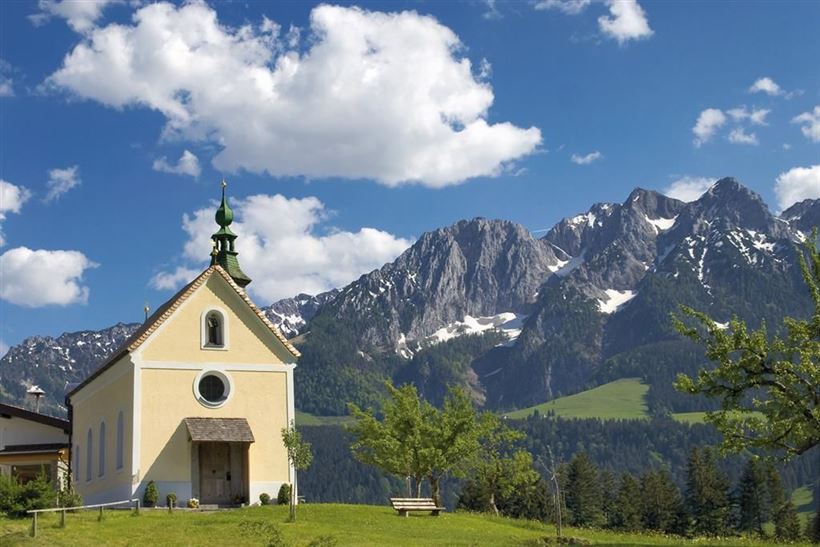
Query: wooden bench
405, 505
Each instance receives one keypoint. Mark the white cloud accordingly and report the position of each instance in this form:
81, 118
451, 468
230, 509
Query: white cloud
587, 159
12, 198
757, 116
188, 164
39, 278
570, 7
627, 21
797, 184
6, 81
492, 11
739, 136
286, 247
4, 348
709, 121
61, 181
172, 280
766, 85
689, 188
81, 15
810, 123
377, 95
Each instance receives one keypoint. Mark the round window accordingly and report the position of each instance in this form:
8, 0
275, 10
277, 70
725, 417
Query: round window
212, 388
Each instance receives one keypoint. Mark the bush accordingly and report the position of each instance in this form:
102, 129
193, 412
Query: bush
16, 498
264, 498
68, 497
171, 500
151, 495
324, 541
283, 498
263, 531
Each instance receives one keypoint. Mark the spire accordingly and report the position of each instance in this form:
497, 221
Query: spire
223, 252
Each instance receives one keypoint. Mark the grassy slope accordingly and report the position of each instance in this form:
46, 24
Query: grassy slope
358, 525
621, 399
305, 418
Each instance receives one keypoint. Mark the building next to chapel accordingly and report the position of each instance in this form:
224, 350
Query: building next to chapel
195, 400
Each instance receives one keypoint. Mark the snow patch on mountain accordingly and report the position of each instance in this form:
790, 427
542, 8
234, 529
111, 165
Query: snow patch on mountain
661, 224
615, 300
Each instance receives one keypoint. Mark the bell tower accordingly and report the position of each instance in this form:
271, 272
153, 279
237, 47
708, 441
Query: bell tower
223, 252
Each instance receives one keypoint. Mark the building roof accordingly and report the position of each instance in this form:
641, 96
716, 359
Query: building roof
19, 412
167, 310
42, 448
227, 430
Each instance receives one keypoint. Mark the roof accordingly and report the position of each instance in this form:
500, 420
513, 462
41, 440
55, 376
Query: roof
228, 430
43, 448
19, 412
167, 310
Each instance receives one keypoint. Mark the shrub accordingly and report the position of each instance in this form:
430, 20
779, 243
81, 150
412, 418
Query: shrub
324, 541
264, 498
171, 500
68, 497
263, 530
16, 498
283, 498
151, 495
193, 503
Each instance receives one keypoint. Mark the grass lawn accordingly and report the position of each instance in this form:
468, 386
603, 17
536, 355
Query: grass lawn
358, 525
305, 418
621, 399
689, 417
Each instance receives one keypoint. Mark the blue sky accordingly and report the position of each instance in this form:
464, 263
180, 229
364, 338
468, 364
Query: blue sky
346, 131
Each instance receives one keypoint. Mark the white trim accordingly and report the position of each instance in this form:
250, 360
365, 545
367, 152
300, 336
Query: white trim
136, 419
291, 419
222, 367
226, 380
203, 330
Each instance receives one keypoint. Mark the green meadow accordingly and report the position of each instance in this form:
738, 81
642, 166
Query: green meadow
317, 525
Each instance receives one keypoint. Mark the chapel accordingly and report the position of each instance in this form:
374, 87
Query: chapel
194, 401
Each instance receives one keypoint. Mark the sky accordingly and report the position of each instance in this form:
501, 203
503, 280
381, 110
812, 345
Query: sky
345, 131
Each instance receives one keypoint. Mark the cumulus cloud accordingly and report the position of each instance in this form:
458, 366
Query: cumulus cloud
286, 247
384, 96
689, 188
570, 7
81, 15
757, 116
12, 198
766, 85
61, 181
626, 21
188, 164
6, 81
586, 159
39, 278
810, 123
709, 121
739, 136
797, 184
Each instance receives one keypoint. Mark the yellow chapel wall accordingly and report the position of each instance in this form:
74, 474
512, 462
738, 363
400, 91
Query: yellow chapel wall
170, 362
101, 401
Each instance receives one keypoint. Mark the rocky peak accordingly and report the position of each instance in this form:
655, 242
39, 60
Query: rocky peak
291, 314
803, 216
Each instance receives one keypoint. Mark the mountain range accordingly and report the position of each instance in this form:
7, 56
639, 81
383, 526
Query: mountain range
515, 319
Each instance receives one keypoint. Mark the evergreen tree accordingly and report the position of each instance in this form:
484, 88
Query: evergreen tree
813, 529
583, 493
662, 508
786, 523
707, 496
609, 494
626, 513
752, 495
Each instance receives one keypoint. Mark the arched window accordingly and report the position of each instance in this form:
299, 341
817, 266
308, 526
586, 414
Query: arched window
89, 453
213, 324
101, 459
120, 439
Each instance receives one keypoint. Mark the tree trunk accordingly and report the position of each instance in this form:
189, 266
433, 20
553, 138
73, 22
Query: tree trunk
418, 487
492, 503
292, 504
409, 481
435, 491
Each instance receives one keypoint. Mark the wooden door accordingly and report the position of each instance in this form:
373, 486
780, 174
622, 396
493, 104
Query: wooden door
215, 473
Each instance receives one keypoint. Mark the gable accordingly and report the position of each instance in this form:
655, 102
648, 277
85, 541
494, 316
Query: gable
248, 338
